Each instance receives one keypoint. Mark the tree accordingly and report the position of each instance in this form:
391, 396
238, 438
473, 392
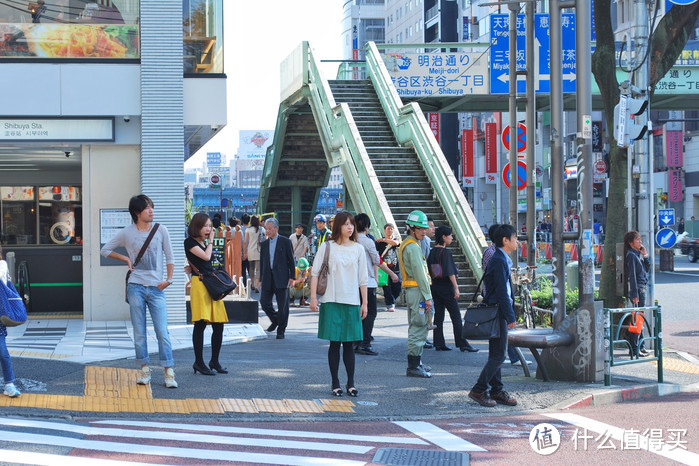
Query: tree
668, 40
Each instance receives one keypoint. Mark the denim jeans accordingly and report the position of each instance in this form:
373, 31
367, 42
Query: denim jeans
490, 375
7, 374
141, 296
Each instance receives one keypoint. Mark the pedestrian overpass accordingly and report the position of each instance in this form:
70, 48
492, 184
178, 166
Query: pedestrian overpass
390, 160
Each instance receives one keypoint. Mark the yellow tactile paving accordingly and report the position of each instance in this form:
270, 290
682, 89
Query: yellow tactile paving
65, 402
131, 405
236, 405
270, 406
170, 406
101, 404
303, 406
677, 365
202, 405
337, 406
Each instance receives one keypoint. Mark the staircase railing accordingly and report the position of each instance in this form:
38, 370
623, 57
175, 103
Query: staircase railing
411, 128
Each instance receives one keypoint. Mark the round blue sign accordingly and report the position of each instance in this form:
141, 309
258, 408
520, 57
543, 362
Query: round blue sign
666, 238
224, 202
682, 2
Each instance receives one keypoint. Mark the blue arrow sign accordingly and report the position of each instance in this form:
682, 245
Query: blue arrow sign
666, 238
666, 217
500, 53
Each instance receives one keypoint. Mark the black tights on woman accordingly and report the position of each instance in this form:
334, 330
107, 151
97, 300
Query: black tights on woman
347, 358
198, 341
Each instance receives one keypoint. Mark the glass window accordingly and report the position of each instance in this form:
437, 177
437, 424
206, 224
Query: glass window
55, 29
203, 36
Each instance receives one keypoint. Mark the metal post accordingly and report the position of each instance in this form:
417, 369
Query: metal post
583, 141
514, 8
531, 136
609, 345
659, 344
557, 205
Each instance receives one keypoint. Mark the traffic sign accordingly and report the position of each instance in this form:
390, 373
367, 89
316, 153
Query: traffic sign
224, 202
521, 137
666, 217
601, 167
500, 50
521, 175
666, 238
215, 179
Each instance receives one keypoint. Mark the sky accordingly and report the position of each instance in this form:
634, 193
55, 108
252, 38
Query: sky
258, 36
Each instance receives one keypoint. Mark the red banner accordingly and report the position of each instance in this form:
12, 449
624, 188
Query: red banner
467, 168
673, 148
491, 148
434, 124
674, 183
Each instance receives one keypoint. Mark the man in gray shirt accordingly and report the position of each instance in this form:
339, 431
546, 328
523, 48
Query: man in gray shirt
146, 284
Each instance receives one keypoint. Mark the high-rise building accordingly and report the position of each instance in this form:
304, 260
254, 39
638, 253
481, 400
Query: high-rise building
362, 21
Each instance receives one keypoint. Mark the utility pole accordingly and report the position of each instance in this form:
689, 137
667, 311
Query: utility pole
514, 8
531, 136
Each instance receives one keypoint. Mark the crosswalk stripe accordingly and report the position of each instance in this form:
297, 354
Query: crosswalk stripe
617, 433
274, 432
187, 437
439, 437
47, 459
171, 452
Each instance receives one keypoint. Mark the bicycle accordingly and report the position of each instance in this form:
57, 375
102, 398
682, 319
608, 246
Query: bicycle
523, 277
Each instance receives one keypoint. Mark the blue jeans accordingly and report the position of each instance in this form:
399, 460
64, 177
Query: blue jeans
490, 375
141, 296
7, 374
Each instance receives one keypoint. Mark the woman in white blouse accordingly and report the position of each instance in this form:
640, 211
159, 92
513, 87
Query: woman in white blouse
344, 304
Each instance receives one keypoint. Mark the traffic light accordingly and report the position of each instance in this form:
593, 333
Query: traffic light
629, 120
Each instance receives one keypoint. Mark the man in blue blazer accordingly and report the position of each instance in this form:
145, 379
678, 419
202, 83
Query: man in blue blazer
278, 271
499, 291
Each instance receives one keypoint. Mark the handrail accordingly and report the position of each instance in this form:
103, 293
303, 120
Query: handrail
411, 128
610, 341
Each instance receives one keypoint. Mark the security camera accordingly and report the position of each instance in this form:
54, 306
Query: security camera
127, 118
68, 153
214, 128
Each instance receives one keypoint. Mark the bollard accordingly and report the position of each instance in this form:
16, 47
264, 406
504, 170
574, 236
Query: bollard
667, 260
572, 275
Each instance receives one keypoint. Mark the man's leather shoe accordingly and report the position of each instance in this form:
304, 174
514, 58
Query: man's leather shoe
367, 350
280, 336
482, 399
272, 327
503, 398
429, 344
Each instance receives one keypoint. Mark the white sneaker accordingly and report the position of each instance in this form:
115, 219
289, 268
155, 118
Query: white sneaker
11, 390
519, 363
144, 378
170, 378
391, 309
506, 361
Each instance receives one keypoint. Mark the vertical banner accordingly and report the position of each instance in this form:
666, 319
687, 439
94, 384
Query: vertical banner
433, 119
673, 148
674, 183
597, 144
491, 153
467, 170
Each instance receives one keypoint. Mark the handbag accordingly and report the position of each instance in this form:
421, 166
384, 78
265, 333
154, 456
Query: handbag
436, 269
481, 320
13, 312
218, 283
323, 273
382, 279
138, 259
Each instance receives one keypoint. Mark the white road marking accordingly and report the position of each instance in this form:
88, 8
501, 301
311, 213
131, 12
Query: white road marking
188, 437
693, 275
617, 433
440, 437
274, 432
47, 459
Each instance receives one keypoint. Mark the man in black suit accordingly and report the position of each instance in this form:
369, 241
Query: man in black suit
498, 290
278, 273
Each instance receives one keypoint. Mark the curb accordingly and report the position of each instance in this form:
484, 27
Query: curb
623, 395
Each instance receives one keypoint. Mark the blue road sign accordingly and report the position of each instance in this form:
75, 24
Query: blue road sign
500, 53
666, 238
666, 217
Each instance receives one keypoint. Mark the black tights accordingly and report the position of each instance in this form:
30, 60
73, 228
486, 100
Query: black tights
198, 341
347, 358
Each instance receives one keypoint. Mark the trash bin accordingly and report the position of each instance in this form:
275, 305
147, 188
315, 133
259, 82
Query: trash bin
667, 260
572, 275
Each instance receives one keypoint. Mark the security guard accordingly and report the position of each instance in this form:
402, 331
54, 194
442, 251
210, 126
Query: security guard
416, 283
323, 232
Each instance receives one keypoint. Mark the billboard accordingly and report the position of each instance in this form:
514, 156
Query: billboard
253, 144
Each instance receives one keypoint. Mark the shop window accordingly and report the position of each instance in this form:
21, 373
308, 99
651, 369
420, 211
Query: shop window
59, 219
202, 24
54, 29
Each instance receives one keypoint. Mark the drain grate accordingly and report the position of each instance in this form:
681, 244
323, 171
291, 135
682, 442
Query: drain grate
412, 457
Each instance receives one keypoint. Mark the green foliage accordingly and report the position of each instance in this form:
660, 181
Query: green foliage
543, 296
189, 211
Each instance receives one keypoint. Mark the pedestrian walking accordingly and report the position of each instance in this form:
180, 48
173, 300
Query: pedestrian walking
251, 251
344, 304
299, 242
145, 288
245, 224
445, 290
198, 248
418, 296
388, 250
8, 375
497, 279
278, 272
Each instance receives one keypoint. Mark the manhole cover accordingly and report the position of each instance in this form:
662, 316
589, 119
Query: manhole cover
690, 333
411, 457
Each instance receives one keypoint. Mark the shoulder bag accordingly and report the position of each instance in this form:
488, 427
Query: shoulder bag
218, 283
436, 268
323, 273
13, 312
138, 259
480, 320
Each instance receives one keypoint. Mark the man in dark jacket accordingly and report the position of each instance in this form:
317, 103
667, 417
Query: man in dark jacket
498, 291
278, 270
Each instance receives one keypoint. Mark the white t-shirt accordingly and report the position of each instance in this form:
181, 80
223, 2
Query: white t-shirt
347, 272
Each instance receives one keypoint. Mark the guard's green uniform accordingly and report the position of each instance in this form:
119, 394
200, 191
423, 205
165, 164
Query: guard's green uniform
416, 283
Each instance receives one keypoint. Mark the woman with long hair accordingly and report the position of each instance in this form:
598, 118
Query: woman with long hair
343, 306
198, 249
251, 251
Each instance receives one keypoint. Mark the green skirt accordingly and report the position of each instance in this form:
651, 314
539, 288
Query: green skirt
340, 322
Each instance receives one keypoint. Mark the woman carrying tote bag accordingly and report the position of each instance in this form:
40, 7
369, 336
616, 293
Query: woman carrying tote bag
204, 309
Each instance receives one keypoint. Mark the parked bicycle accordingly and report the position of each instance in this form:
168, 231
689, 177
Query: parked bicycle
523, 277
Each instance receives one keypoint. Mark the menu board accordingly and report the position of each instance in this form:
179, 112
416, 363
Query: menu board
111, 222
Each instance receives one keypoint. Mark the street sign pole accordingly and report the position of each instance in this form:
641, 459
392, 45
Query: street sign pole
514, 8
532, 65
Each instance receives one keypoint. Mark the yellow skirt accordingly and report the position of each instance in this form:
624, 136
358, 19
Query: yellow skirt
203, 307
